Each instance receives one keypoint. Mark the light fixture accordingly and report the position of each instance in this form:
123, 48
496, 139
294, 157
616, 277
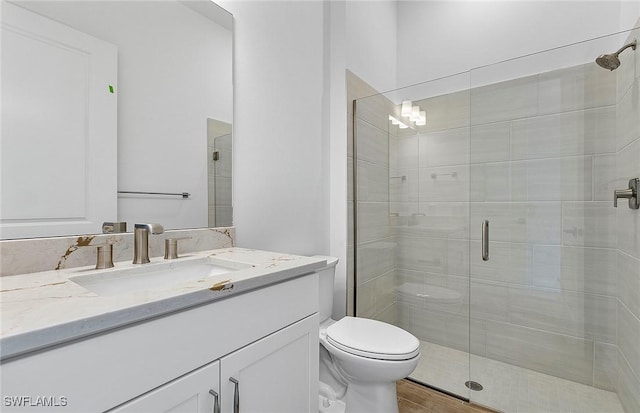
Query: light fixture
395, 121
415, 114
405, 112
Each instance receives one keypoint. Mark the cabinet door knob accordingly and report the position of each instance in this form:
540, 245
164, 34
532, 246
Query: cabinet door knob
216, 401
236, 395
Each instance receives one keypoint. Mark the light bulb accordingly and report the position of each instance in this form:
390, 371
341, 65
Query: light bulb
405, 112
415, 114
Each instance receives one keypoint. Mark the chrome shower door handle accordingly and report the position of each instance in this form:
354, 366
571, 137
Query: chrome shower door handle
236, 395
485, 240
216, 401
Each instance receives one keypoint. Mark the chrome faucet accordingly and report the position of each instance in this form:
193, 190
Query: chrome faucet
141, 241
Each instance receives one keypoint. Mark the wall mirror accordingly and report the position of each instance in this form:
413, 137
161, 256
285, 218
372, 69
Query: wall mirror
114, 111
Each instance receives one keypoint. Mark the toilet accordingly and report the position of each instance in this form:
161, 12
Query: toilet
360, 359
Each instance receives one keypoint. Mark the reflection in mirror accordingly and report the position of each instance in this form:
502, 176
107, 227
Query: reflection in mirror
79, 126
219, 151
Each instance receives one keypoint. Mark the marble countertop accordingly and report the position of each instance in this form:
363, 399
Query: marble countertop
42, 309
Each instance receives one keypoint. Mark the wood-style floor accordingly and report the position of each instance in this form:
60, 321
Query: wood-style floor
414, 398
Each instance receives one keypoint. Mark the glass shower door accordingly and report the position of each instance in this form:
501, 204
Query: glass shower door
546, 153
411, 220
534, 146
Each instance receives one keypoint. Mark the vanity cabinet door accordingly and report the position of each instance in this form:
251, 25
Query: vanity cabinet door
187, 394
277, 374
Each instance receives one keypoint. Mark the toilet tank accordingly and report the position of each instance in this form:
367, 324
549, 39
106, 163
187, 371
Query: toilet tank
326, 276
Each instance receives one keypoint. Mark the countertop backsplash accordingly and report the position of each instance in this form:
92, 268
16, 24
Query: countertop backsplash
44, 254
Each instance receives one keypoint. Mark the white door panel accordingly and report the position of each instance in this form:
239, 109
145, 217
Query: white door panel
58, 135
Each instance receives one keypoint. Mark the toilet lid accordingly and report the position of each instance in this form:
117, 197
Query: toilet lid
373, 339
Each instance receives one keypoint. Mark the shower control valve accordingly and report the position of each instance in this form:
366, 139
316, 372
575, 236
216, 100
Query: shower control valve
631, 194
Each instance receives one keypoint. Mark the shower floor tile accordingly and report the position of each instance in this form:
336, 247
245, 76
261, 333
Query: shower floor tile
509, 388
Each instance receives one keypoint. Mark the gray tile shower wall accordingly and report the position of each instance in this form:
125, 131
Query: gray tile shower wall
628, 230
376, 243
373, 188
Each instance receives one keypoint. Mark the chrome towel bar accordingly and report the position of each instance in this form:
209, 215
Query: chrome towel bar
184, 195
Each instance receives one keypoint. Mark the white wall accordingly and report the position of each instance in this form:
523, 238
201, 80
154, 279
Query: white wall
336, 136
290, 126
439, 38
371, 28
629, 13
174, 72
279, 177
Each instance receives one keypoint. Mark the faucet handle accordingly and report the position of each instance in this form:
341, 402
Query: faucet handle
104, 256
171, 247
114, 227
152, 228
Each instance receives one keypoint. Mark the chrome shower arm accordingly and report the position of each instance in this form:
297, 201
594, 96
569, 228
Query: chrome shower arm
631, 45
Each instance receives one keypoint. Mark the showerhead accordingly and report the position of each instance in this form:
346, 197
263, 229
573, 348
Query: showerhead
608, 61
611, 61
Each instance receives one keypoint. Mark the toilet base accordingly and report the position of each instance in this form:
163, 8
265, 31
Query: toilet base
326, 405
379, 398
371, 398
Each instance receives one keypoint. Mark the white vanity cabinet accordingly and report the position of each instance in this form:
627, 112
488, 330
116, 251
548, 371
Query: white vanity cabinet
266, 339
188, 394
274, 374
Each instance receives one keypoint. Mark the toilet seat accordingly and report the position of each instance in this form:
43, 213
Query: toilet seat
372, 339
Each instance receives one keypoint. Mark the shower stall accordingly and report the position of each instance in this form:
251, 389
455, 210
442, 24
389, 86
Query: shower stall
542, 314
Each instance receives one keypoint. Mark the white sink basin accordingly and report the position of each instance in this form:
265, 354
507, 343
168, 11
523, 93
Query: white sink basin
115, 281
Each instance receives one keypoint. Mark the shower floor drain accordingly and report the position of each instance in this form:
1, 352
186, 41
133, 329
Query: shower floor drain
475, 386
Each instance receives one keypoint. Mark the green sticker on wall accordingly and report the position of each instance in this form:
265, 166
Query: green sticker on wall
110, 89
